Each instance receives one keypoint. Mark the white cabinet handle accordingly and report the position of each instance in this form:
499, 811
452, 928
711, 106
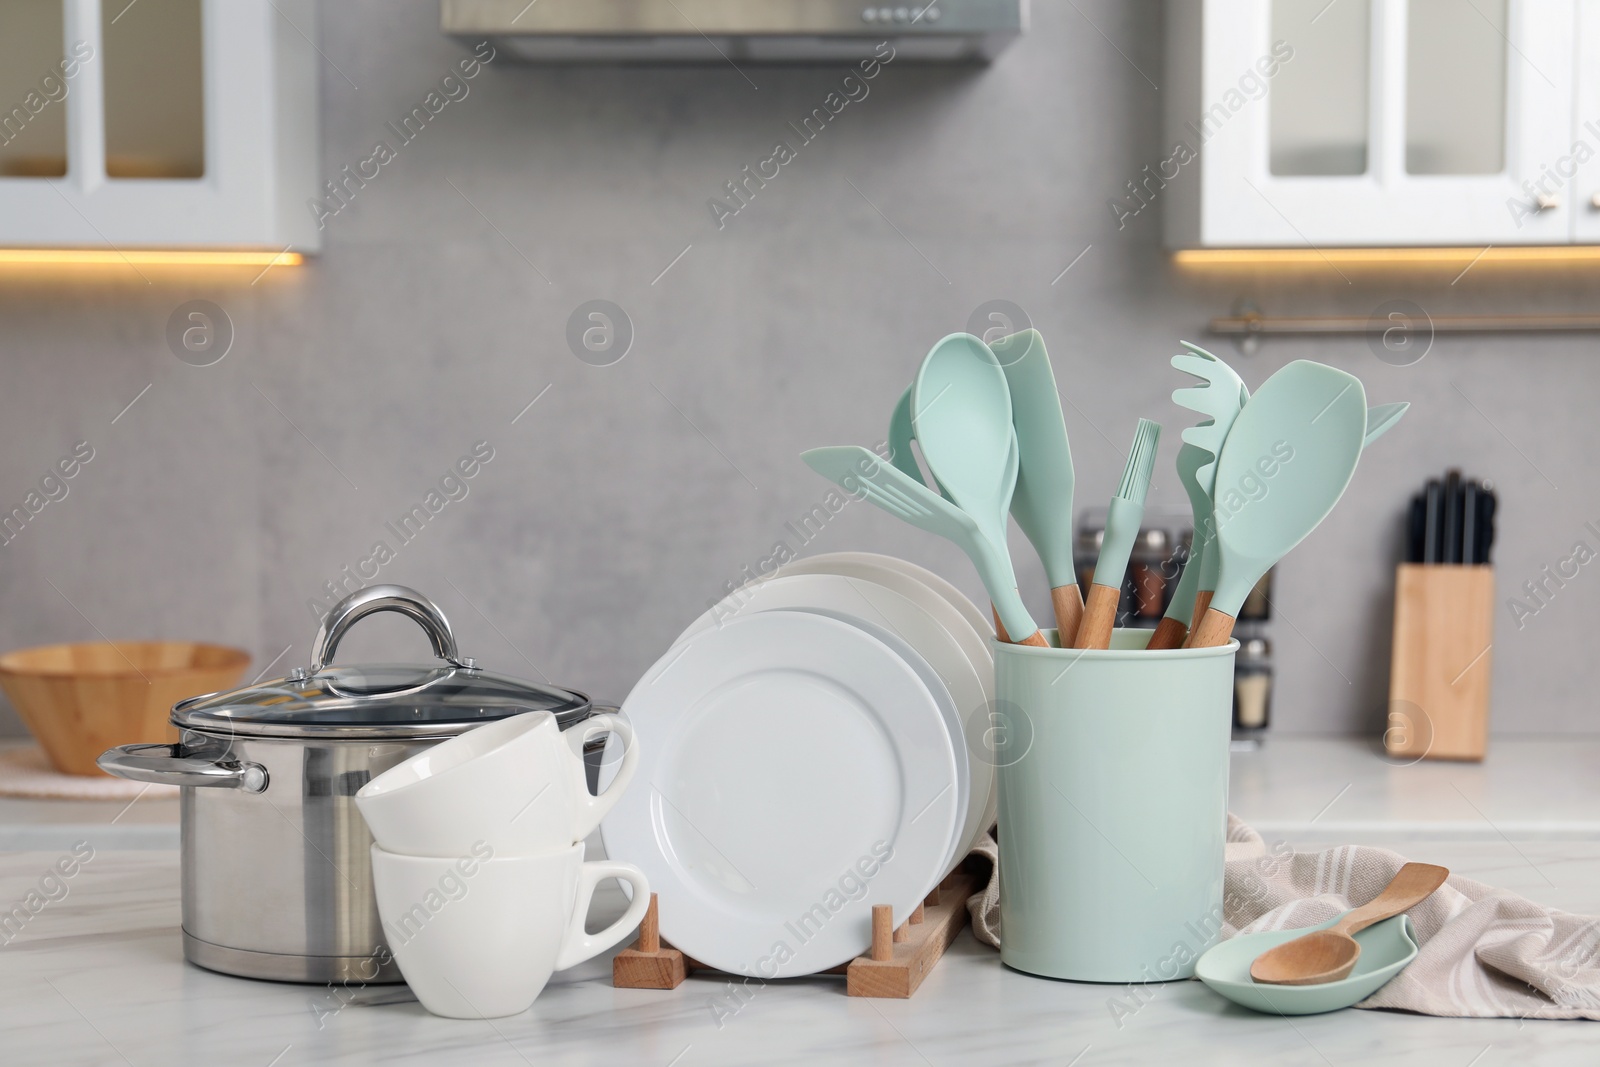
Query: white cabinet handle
1546, 202
1594, 201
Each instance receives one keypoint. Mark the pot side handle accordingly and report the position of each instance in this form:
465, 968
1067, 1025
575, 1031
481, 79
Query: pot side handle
162, 765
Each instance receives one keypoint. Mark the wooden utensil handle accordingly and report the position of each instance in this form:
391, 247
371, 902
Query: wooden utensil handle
1411, 885
1068, 603
1169, 634
1202, 603
1099, 617
1214, 629
1036, 640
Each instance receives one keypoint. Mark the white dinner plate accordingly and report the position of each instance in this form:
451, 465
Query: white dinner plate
947, 707
877, 562
793, 772
912, 581
926, 622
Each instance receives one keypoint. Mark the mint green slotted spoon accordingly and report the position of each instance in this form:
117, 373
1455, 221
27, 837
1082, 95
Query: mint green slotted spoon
859, 471
1285, 464
1042, 503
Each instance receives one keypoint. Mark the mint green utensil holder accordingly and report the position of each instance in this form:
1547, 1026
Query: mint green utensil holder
1113, 779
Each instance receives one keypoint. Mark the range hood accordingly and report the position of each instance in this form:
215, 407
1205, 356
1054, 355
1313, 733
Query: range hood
739, 31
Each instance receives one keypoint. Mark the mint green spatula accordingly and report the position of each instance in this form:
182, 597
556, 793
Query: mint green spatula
1042, 504
1287, 460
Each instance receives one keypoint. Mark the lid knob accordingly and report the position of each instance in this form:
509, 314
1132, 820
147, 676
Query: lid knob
408, 602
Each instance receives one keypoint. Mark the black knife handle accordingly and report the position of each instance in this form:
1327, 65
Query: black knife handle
1433, 516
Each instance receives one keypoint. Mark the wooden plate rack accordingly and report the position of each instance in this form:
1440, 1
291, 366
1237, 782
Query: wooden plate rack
898, 961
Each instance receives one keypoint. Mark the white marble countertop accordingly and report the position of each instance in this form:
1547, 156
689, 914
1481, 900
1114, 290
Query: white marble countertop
98, 977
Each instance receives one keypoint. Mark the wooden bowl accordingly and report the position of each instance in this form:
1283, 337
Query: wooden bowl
79, 700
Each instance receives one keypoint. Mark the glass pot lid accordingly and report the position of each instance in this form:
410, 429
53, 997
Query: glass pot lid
384, 701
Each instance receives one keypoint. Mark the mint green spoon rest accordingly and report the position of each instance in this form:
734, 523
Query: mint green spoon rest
1386, 949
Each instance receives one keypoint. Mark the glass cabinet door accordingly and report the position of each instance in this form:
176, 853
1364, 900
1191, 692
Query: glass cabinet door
165, 124
33, 90
1384, 123
1583, 158
1456, 86
1319, 110
154, 88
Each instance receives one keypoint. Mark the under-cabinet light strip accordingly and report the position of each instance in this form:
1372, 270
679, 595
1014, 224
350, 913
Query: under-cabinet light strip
146, 258
1250, 257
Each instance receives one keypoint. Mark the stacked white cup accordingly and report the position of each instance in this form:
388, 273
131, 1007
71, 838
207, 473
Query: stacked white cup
478, 866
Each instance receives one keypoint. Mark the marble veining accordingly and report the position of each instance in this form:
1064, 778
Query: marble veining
97, 977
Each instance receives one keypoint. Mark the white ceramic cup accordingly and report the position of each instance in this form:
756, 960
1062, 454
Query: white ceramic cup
519, 784
478, 936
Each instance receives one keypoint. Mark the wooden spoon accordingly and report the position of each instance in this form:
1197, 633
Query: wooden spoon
1329, 955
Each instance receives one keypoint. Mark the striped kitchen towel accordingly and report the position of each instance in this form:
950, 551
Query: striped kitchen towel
1484, 953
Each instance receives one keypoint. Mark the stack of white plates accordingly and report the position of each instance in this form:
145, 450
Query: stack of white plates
809, 748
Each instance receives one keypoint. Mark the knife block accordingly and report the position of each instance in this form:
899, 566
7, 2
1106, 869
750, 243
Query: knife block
1439, 673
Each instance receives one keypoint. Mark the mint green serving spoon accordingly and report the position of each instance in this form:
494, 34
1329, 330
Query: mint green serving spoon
961, 416
1174, 626
860, 472
1042, 503
1285, 464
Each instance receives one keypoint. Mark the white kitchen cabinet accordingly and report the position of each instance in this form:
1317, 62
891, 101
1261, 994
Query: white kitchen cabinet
158, 124
1371, 123
1583, 155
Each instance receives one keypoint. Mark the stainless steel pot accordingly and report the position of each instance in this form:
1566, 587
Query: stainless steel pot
277, 876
